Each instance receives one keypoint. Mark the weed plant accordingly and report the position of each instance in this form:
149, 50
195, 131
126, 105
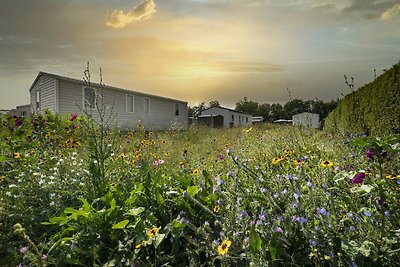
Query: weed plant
73, 195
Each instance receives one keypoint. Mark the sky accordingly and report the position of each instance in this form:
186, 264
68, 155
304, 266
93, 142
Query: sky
269, 51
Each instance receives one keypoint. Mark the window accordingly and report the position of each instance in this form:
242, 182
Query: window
37, 100
247, 119
240, 119
176, 109
130, 108
146, 105
89, 98
233, 117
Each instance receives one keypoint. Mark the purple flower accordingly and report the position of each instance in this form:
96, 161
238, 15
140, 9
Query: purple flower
358, 178
313, 243
370, 154
262, 216
367, 213
44, 256
263, 190
295, 218
243, 213
23, 249
352, 228
309, 184
384, 154
278, 229
219, 181
18, 121
321, 211
296, 195
221, 157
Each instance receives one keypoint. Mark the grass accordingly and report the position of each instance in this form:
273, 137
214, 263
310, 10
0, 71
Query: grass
262, 196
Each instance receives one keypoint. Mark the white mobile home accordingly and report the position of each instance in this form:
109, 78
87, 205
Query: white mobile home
67, 95
230, 117
306, 119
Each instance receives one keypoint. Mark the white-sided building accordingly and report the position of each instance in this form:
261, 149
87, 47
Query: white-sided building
306, 119
131, 108
231, 117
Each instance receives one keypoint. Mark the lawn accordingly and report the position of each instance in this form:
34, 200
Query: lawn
76, 194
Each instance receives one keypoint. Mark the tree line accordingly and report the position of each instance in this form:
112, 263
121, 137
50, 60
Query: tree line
274, 111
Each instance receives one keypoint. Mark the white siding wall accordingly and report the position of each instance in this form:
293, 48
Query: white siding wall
47, 91
161, 116
227, 114
309, 120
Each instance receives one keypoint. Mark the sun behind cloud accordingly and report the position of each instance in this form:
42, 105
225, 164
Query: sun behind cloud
120, 18
391, 12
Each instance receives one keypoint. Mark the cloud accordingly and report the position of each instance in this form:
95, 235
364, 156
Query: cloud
391, 12
143, 11
369, 9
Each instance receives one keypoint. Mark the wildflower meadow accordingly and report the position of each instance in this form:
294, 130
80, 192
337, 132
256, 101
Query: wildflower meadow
74, 193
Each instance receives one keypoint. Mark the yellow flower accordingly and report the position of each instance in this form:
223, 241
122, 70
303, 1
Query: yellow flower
16, 155
152, 232
391, 176
195, 172
298, 161
2, 178
288, 151
223, 249
217, 209
326, 163
276, 160
248, 130
140, 245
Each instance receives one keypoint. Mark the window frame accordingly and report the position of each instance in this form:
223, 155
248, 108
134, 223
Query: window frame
37, 100
87, 104
177, 110
146, 106
127, 103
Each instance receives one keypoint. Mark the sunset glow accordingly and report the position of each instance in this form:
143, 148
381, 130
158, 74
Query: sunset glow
201, 50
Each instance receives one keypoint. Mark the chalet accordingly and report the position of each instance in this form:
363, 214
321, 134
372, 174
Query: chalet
230, 117
306, 119
132, 108
23, 110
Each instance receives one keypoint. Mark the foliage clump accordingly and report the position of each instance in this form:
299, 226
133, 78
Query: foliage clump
373, 109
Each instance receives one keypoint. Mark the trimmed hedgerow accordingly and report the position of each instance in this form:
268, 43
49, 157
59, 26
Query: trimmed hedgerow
373, 109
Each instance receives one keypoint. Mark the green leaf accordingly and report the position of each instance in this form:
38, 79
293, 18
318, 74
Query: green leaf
192, 190
255, 242
208, 180
364, 188
341, 176
120, 225
158, 238
60, 220
135, 211
366, 248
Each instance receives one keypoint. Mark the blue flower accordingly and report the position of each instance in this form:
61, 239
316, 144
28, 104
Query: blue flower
322, 211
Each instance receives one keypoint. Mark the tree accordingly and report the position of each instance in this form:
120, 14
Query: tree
195, 111
214, 103
294, 107
246, 106
264, 110
277, 112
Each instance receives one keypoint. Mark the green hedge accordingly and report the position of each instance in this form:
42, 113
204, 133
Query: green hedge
373, 109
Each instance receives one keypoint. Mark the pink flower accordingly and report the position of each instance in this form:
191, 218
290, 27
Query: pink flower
73, 116
23, 249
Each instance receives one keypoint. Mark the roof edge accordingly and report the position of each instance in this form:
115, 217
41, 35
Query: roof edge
59, 77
